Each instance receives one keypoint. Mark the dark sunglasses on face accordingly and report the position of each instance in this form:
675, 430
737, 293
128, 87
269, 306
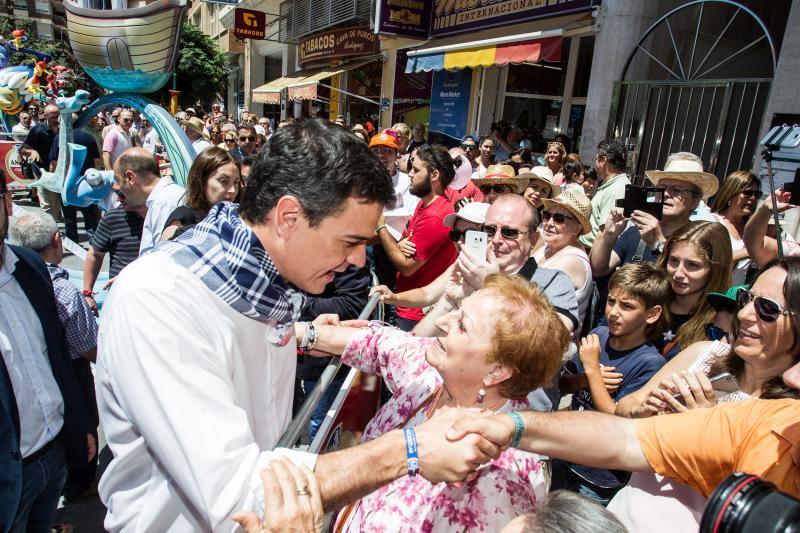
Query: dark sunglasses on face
456, 234
715, 333
230, 140
499, 189
507, 233
558, 218
751, 193
245, 139
767, 309
466, 147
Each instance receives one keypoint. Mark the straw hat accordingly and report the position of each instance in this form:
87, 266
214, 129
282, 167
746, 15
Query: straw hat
196, 125
577, 203
502, 175
544, 175
688, 171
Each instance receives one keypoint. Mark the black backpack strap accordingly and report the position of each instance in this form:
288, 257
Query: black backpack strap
638, 255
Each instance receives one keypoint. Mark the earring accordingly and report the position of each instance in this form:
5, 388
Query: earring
481, 395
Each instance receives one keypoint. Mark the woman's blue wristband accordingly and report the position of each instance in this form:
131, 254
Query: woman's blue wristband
412, 458
519, 428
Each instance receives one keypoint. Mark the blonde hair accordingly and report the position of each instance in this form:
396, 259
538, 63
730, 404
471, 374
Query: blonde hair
530, 339
403, 129
712, 242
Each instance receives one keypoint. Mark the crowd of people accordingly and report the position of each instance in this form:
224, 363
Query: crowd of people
534, 328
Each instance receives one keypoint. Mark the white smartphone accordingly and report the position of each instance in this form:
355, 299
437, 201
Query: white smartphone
723, 385
476, 243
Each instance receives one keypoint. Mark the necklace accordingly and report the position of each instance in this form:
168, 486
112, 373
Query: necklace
437, 396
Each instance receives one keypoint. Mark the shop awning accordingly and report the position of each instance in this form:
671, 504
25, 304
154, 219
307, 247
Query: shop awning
519, 49
301, 85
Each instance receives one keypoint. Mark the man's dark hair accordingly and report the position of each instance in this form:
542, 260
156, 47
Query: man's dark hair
436, 157
247, 127
614, 151
139, 163
319, 163
2, 181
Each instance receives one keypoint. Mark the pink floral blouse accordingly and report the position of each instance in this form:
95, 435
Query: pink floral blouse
494, 495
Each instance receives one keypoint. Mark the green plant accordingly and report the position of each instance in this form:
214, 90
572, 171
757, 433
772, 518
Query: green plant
202, 69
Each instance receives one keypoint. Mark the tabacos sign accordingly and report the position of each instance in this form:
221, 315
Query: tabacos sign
249, 24
338, 43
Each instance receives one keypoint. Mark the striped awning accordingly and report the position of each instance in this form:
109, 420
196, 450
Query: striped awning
545, 49
301, 85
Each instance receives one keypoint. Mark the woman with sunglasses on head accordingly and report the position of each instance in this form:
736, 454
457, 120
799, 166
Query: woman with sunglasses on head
732, 207
765, 342
214, 177
697, 260
554, 159
564, 219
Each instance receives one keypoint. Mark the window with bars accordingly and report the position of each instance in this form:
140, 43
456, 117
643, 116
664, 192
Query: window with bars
299, 18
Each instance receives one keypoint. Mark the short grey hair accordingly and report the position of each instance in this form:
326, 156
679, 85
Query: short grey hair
567, 512
684, 156
33, 230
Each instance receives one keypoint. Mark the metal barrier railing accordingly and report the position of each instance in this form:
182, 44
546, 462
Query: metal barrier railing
296, 426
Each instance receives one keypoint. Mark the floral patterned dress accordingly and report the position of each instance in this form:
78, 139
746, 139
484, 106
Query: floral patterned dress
494, 495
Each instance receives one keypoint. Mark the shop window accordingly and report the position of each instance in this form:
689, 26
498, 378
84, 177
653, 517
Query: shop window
538, 117
544, 77
584, 67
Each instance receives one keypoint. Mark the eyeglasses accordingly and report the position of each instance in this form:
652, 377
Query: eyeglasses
751, 193
127, 120
456, 234
230, 139
246, 139
499, 189
507, 233
469, 147
674, 190
767, 309
558, 218
714, 332
382, 150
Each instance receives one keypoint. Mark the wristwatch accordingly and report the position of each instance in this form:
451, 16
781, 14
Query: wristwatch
658, 248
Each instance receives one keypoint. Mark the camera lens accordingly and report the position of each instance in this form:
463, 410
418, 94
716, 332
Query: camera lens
744, 503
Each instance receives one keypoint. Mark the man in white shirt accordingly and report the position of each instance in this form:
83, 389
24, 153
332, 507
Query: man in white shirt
21, 129
118, 139
141, 188
197, 353
196, 131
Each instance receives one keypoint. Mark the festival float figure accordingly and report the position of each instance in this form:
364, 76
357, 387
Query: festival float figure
18, 83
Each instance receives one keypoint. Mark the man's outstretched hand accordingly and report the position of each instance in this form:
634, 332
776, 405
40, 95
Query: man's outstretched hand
451, 459
497, 429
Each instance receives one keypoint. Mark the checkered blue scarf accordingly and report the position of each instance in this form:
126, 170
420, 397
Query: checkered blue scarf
228, 257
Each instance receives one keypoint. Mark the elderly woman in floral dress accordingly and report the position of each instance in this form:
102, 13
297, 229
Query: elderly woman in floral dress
502, 343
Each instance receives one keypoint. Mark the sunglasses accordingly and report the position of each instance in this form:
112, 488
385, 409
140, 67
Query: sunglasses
382, 150
715, 333
767, 310
558, 218
751, 193
507, 233
230, 140
499, 189
456, 234
469, 146
246, 139
127, 120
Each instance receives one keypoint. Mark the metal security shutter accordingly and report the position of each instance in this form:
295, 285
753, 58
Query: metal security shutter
300, 18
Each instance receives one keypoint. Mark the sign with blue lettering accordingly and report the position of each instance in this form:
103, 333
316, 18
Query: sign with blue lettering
450, 101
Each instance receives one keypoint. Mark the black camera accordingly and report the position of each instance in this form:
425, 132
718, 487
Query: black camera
744, 503
647, 199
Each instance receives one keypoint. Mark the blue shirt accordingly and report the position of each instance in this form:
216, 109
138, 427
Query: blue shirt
626, 245
73, 313
637, 366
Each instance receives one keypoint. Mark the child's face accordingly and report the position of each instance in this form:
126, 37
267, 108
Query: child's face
626, 314
687, 271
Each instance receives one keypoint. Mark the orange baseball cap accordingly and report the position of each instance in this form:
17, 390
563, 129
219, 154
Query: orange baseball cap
383, 139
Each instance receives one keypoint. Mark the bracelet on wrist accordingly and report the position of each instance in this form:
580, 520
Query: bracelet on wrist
88, 293
312, 336
382, 226
519, 428
412, 456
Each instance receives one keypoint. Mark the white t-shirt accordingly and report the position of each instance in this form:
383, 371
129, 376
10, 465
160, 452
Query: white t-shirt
200, 145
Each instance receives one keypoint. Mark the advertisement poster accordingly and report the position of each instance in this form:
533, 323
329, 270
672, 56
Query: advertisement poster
456, 16
450, 101
337, 43
403, 18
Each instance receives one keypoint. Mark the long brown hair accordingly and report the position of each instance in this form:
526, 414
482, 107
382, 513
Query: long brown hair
712, 242
206, 163
735, 183
774, 388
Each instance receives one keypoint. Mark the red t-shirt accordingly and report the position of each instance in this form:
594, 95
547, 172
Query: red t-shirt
469, 191
434, 246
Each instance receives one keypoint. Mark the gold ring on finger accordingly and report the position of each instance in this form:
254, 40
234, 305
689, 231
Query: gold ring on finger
303, 491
